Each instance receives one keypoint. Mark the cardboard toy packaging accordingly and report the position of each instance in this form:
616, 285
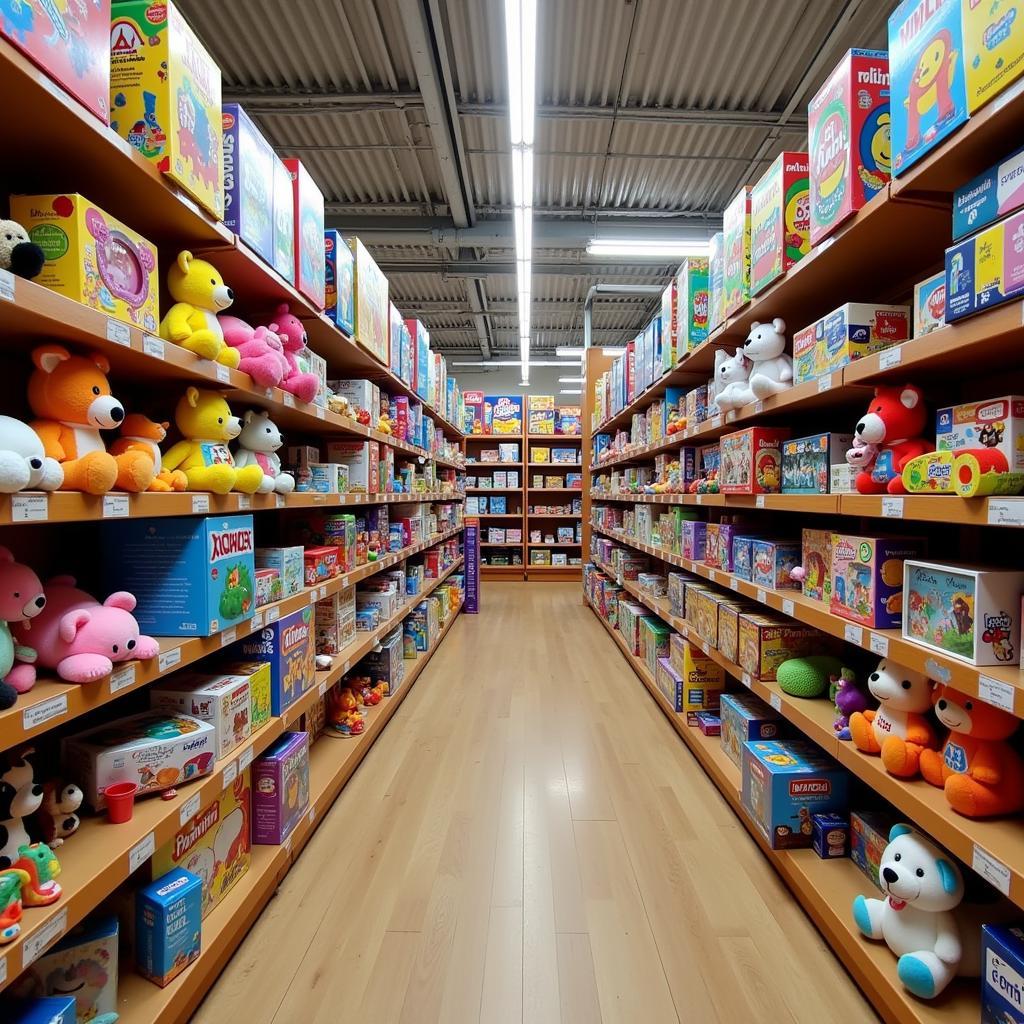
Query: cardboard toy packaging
308, 205
736, 247
248, 181
691, 306
339, 278
168, 926
370, 306
284, 221
993, 48
779, 220
280, 789
716, 281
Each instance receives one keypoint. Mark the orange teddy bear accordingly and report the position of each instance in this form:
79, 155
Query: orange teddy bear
71, 396
139, 433
980, 771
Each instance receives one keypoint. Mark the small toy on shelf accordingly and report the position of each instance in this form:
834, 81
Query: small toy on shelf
199, 294
20, 798
21, 598
18, 253
732, 380
261, 354
288, 327
56, 819
343, 715
258, 444
138, 433
848, 696
771, 370
807, 676
11, 884
894, 422
37, 861
24, 464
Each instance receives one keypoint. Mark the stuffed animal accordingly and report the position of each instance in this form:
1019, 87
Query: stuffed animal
899, 729
862, 454
139, 433
81, 638
922, 886
771, 371
18, 253
846, 693
205, 421
11, 883
20, 798
732, 387
807, 676
21, 598
982, 774
56, 819
199, 294
24, 464
71, 396
257, 446
260, 349
894, 421
288, 327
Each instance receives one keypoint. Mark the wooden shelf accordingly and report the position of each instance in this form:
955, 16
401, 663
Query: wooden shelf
554, 490
498, 515
494, 437
555, 465
554, 544
553, 515
493, 490
555, 437
502, 544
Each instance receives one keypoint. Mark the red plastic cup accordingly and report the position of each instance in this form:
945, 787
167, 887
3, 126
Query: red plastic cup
120, 801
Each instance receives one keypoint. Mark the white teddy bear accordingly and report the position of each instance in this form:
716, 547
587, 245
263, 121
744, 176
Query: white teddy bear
731, 387
765, 347
24, 464
257, 446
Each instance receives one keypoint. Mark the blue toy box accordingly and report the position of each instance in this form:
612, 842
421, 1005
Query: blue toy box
287, 645
830, 835
928, 99
784, 784
339, 269
994, 193
48, 1010
248, 181
168, 925
1002, 975
986, 269
192, 576
746, 717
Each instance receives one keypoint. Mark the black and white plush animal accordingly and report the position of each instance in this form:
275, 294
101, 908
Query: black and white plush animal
20, 798
18, 253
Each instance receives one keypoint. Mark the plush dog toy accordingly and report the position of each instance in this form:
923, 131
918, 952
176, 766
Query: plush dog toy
257, 446
18, 253
199, 294
982, 774
139, 433
21, 598
24, 464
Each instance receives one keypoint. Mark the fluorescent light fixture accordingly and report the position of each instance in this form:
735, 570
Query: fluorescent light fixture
571, 380
571, 391
522, 176
645, 249
521, 56
524, 383
514, 362
569, 351
613, 351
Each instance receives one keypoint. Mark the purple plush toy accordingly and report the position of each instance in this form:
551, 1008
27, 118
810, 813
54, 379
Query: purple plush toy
848, 697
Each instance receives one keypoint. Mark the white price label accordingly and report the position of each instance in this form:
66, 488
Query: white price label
892, 508
141, 852
322, 690
762, 596
40, 940
996, 692
825, 383
314, 596
734, 583
1006, 511
115, 506
890, 357
44, 711
200, 503
289, 400
273, 613
118, 332
6, 286
346, 666
712, 575
878, 644
759, 406
759, 501
244, 502
29, 508
229, 636
230, 774
319, 412
223, 373
323, 591
257, 621
716, 421
746, 680
168, 659
776, 701
153, 346
853, 634
995, 872
279, 501
245, 759
190, 808
122, 679
700, 499
788, 607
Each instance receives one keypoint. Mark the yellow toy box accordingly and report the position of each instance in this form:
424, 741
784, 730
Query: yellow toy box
993, 48
93, 258
165, 97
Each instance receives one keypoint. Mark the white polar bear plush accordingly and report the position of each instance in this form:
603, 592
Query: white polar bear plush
731, 387
257, 446
922, 887
772, 369
24, 464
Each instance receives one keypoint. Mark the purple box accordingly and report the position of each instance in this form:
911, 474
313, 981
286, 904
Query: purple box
280, 789
248, 181
288, 645
694, 539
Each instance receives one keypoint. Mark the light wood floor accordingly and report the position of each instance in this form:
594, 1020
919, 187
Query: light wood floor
529, 841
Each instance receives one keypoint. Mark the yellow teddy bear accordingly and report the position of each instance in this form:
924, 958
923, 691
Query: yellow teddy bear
205, 421
199, 294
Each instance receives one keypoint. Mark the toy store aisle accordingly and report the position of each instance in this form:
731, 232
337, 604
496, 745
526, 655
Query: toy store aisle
528, 841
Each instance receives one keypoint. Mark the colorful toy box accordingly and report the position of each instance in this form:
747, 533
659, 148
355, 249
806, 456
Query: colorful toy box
168, 925
996, 424
766, 641
221, 700
284, 221
288, 563
848, 130
215, 844
772, 563
362, 458
336, 621
257, 675
308, 207
700, 680
926, 68
784, 783
752, 460
44, 1010
743, 557
805, 353
992, 195
930, 304
670, 348
986, 269
1002, 973
729, 613
968, 613
419, 339
339, 279
856, 330
92, 258
691, 305
867, 578
830, 835
372, 329
541, 410
746, 717
816, 560
287, 645
779, 220
192, 576
280, 789
869, 836
165, 97
248, 181
716, 281
807, 462
736, 249
503, 414
154, 749
268, 587
693, 542
993, 49
319, 564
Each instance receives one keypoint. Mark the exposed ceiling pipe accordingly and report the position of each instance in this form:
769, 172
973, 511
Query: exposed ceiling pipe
610, 289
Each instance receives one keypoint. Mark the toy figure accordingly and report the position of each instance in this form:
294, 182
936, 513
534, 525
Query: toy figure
771, 371
138, 433
56, 819
200, 294
893, 423
18, 253
11, 884
38, 862
260, 349
20, 798
258, 444
21, 598
848, 698
288, 327
343, 716
731, 380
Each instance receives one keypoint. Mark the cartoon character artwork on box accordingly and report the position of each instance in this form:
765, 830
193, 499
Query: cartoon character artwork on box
284, 221
339, 277
248, 181
288, 645
779, 220
993, 48
815, 571
736, 243
280, 788
867, 578
503, 414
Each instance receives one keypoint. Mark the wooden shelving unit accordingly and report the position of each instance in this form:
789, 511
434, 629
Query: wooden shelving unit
515, 504
548, 497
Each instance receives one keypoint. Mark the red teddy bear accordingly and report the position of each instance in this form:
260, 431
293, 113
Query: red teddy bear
893, 423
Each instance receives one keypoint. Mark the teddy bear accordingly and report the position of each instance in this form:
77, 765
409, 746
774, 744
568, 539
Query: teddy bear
199, 294
20, 798
731, 380
56, 819
81, 638
260, 349
257, 446
24, 464
894, 422
206, 424
771, 371
898, 729
18, 253
982, 774
139, 433
21, 598
288, 327
71, 396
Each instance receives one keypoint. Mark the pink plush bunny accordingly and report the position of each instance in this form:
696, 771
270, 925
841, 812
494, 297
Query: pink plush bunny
81, 638
288, 327
261, 351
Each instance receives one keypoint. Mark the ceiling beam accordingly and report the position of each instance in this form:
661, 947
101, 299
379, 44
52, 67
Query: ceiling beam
478, 303
650, 273
507, 307
398, 216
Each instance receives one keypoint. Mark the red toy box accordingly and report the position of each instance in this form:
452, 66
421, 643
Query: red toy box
752, 460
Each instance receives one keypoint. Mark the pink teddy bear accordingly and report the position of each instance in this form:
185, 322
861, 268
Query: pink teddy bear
288, 327
83, 639
260, 349
21, 598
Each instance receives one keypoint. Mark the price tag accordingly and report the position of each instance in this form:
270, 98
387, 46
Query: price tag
279, 501
230, 774
879, 644
223, 373
995, 872
190, 808
716, 421
853, 634
244, 502
153, 346
776, 701
30, 508
289, 400
6, 287
229, 636
759, 501
1006, 511
322, 690
712, 575
759, 406
44, 711
762, 596
734, 583
346, 666
312, 815
890, 357
273, 614
245, 759
825, 383
201, 503
996, 692
122, 679
700, 499
892, 508
319, 412
746, 680
323, 591
141, 852
40, 940
288, 846
313, 596
788, 607
115, 506
257, 621
118, 332
168, 659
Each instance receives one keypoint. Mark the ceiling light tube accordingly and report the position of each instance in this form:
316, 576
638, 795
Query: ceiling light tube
521, 57
571, 391
567, 351
646, 249
613, 350
522, 176
571, 380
